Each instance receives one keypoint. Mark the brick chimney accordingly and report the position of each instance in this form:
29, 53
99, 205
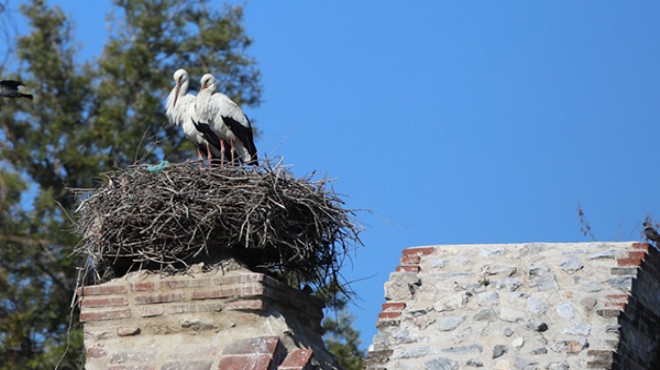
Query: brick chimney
201, 320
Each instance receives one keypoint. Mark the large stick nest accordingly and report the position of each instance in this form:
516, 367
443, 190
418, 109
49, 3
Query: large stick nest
170, 218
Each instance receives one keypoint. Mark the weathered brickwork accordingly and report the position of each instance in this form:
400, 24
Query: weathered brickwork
521, 306
201, 321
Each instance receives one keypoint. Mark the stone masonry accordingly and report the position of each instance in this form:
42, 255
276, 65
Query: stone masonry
201, 321
521, 306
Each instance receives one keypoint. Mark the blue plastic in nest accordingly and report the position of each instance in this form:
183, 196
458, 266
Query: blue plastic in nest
158, 167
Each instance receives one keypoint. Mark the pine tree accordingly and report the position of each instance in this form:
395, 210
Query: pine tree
343, 341
86, 119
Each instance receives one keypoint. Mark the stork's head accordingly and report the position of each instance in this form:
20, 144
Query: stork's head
180, 77
208, 82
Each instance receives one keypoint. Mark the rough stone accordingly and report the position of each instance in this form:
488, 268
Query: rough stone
565, 311
488, 299
452, 302
537, 305
540, 302
592, 287
558, 366
517, 343
539, 351
578, 329
588, 303
509, 283
542, 278
464, 349
441, 363
460, 335
601, 255
489, 252
438, 263
474, 363
401, 286
535, 325
416, 352
486, 314
511, 315
571, 265
449, 322
499, 350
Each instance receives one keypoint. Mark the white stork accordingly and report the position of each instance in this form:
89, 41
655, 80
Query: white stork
227, 119
180, 110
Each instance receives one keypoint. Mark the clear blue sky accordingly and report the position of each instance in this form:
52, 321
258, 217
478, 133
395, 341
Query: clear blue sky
458, 122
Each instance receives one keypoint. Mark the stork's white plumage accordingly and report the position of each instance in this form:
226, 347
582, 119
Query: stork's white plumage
227, 119
180, 110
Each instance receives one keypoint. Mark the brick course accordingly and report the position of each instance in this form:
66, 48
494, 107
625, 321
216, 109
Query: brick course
205, 320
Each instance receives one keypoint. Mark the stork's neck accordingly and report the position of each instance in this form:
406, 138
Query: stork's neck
183, 89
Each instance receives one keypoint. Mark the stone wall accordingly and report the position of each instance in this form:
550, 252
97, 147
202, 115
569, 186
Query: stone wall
201, 321
521, 306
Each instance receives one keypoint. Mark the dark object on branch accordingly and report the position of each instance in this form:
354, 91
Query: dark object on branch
263, 217
9, 89
650, 232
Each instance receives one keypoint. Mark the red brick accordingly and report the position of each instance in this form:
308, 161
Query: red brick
297, 360
394, 306
215, 293
408, 268
194, 307
104, 315
644, 246
160, 298
96, 352
253, 345
178, 284
417, 251
245, 362
389, 315
620, 305
246, 305
139, 287
104, 289
621, 297
637, 254
634, 259
103, 301
240, 279
410, 260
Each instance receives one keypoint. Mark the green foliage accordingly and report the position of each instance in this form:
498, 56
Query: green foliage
343, 341
86, 119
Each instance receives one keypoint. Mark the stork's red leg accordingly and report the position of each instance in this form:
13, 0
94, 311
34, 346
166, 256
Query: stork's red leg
208, 154
222, 153
232, 150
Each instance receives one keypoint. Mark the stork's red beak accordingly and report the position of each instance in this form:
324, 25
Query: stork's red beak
176, 92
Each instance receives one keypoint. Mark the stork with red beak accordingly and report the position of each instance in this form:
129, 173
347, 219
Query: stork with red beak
227, 119
180, 110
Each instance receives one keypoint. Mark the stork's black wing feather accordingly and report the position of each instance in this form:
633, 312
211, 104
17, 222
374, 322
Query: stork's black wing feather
245, 135
11, 84
211, 137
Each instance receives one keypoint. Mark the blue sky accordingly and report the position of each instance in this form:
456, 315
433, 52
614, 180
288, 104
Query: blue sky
457, 122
